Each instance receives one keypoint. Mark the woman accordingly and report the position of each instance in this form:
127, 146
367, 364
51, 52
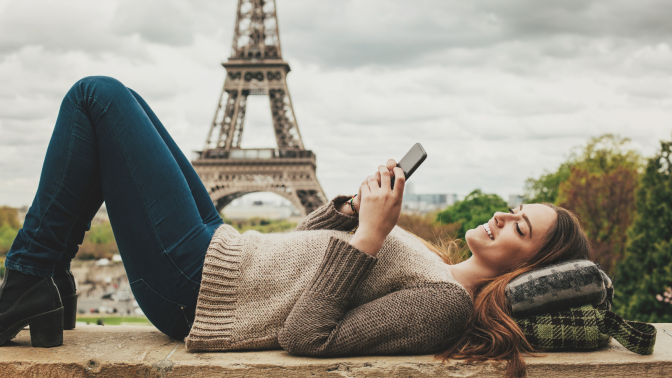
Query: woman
318, 291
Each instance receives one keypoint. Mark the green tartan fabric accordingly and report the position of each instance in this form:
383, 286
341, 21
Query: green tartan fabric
586, 328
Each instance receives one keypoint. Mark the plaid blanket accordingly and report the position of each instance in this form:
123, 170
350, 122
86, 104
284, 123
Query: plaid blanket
558, 287
586, 328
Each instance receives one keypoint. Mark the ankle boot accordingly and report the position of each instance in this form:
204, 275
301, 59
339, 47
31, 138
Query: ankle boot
65, 282
30, 300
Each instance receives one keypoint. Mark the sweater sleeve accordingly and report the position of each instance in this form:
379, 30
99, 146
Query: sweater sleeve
416, 320
326, 217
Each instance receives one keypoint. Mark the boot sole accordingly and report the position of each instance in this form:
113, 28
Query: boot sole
46, 329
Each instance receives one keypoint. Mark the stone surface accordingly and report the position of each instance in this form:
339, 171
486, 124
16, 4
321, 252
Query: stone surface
121, 351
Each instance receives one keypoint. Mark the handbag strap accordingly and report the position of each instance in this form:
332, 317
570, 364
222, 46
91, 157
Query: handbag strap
637, 337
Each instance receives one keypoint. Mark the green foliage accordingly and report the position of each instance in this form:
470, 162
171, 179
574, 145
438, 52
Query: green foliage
9, 227
265, 226
597, 182
100, 233
98, 243
9, 216
646, 269
607, 153
476, 208
7, 236
2, 268
546, 187
602, 154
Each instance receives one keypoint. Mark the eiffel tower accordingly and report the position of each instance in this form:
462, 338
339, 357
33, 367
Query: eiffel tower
256, 68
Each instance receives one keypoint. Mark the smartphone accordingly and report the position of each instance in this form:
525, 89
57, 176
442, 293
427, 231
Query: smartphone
411, 161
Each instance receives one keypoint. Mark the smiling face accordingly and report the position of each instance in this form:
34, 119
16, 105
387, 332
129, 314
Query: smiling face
508, 239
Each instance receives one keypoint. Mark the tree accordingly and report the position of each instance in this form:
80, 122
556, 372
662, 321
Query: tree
646, 269
476, 208
605, 203
546, 187
597, 182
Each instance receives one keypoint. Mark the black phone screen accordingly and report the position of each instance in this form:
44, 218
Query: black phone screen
412, 160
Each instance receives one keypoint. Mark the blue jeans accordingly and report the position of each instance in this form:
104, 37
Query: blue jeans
109, 146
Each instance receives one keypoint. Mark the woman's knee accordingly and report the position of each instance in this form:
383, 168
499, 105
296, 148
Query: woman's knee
98, 81
96, 93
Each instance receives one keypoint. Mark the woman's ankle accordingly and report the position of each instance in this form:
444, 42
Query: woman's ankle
14, 285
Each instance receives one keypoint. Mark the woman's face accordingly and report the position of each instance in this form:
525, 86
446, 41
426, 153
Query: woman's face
509, 239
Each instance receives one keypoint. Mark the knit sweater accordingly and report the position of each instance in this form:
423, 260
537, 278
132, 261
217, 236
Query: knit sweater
311, 293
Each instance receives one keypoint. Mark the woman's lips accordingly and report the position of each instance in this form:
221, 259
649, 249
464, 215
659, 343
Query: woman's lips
486, 227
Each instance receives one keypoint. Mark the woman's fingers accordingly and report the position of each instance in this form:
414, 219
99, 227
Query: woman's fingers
391, 164
386, 177
399, 181
373, 184
364, 188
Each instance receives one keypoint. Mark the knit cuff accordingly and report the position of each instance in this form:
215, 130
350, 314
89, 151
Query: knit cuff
343, 268
327, 217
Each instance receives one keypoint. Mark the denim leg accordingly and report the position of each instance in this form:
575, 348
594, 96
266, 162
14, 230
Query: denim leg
206, 208
104, 137
81, 224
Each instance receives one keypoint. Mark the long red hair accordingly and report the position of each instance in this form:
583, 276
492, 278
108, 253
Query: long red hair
491, 333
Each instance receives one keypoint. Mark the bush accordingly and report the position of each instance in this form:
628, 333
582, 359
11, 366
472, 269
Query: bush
7, 236
440, 235
98, 243
9, 216
264, 226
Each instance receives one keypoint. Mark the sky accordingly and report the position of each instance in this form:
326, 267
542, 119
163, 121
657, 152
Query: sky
496, 91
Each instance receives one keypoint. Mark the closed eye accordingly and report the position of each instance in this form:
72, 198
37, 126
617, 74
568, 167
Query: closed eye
519, 231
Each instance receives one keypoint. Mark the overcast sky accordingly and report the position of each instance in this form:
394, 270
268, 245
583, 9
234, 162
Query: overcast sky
496, 91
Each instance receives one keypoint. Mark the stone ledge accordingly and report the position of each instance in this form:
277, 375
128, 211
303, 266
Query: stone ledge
123, 351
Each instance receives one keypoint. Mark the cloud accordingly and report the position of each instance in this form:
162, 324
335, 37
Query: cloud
166, 22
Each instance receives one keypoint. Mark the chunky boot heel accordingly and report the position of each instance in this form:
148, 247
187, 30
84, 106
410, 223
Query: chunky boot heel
69, 312
30, 300
46, 330
65, 282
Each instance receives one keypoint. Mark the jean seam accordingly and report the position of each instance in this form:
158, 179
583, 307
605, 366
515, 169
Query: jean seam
181, 306
144, 200
178, 268
157, 293
58, 186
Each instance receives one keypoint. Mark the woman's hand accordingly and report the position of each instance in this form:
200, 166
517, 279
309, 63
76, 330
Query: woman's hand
390, 167
379, 207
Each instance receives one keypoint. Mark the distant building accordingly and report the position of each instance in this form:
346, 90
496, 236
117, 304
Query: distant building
423, 203
515, 200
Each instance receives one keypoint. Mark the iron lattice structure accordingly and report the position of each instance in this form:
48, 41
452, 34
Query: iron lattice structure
256, 68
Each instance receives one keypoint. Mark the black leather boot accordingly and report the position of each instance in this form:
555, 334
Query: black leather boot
30, 300
65, 282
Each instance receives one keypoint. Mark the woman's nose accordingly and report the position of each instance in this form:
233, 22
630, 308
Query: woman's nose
501, 218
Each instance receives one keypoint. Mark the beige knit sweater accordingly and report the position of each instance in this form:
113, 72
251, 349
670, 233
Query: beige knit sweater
312, 293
